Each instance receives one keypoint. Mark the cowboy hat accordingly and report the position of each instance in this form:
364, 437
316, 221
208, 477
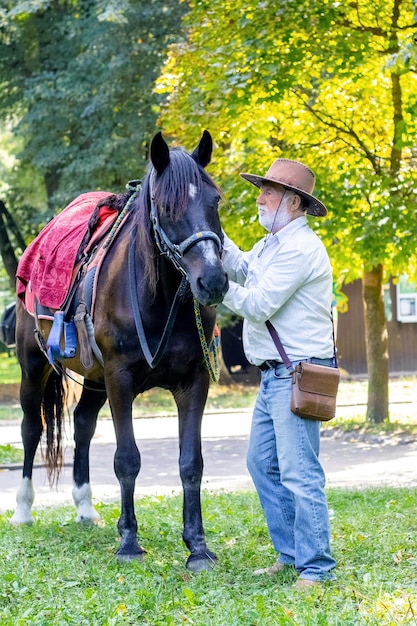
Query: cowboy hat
295, 176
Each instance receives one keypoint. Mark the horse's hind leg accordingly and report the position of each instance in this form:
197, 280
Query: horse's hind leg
127, 463
35, 373
30, 398
92, 399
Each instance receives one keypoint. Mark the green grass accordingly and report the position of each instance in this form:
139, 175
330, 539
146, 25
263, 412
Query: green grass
9, 369
153, 402
56, 572
10, 454
8, 412
221, 398
352, 394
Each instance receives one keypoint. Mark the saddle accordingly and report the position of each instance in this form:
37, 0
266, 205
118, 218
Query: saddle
48, 278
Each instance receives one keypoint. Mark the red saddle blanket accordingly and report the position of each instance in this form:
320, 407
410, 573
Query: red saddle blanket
47, 264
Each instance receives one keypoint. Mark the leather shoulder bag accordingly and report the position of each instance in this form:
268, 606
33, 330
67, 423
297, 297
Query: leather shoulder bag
314, 387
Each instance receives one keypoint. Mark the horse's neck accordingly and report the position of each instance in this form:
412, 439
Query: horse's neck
169, 280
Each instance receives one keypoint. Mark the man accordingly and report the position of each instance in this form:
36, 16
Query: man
287, 279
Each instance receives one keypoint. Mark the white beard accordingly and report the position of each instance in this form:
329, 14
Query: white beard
272, 222
266, 219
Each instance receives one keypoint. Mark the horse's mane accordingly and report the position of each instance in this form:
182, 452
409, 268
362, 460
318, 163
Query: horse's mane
171, 191
114, 201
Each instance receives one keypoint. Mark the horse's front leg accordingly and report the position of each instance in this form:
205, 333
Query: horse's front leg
92, 399
127, 464
190, 402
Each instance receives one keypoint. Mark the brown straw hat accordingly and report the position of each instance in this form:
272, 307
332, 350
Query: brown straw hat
295, 176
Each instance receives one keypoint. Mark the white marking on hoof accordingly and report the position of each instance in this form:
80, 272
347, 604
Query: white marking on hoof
86, 512
24, 498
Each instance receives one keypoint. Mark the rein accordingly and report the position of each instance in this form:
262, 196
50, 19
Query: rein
214, 371
154, 359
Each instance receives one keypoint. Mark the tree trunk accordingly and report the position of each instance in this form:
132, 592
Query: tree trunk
224, 378
6, 249
376, 335
12, 227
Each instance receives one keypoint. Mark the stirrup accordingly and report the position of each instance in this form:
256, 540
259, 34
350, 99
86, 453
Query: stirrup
55, 353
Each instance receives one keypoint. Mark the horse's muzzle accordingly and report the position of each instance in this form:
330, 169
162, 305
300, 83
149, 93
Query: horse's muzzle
211, 288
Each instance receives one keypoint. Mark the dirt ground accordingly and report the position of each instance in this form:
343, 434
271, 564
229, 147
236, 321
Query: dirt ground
9, 393
350, 460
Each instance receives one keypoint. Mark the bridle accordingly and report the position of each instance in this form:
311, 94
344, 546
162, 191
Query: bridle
174, 252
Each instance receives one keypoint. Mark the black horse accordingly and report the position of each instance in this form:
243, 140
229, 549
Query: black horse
165, 260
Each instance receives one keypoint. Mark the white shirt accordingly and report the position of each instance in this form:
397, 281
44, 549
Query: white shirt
286, 278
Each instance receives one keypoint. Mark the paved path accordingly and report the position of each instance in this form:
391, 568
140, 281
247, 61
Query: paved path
365, 461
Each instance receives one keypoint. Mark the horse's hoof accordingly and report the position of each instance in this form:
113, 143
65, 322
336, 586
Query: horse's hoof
87, 521
21, 521
201, 561
130, 556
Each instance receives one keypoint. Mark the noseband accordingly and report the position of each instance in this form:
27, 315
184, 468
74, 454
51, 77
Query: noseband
174, 252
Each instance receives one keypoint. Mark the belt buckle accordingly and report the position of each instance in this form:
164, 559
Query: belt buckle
268, 364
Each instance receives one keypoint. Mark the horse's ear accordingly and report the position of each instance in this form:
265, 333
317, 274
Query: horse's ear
159, 153
202, 154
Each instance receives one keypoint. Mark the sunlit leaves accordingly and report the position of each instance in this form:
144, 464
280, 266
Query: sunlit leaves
329, 83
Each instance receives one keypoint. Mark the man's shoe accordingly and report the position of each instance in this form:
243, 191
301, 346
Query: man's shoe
305, 583
270, 571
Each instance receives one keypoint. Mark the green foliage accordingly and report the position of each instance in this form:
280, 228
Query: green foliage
333, 84
76, 87
58, 572
9, 369
10, 454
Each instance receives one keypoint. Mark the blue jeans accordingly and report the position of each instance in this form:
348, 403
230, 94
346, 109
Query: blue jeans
283, 462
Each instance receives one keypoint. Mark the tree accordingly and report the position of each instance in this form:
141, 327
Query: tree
333, 84
7, 250
76, 90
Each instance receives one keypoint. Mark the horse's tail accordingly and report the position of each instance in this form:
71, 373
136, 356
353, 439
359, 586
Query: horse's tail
53, 404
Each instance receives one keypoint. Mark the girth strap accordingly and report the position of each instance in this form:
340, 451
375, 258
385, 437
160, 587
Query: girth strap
86, 353
152, 360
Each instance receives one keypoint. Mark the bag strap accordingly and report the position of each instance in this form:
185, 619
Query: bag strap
280, 347
336, 364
